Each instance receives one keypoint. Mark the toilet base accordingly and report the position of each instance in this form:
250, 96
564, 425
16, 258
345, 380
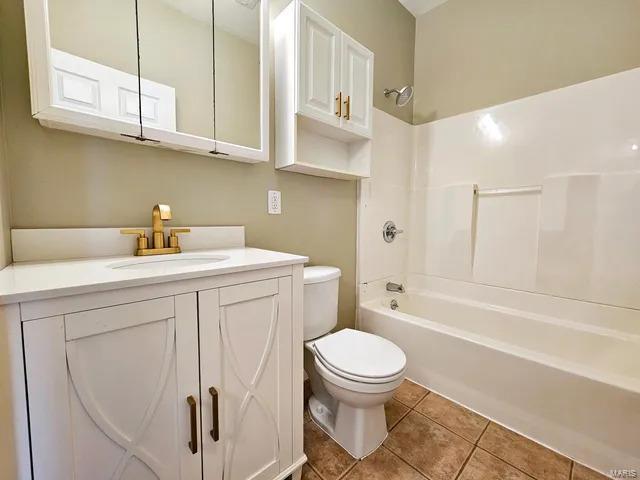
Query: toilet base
360, 431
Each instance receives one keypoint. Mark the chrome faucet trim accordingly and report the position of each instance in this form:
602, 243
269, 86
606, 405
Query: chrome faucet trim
395, 287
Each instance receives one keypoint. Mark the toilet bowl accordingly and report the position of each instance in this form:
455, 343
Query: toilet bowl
352, 373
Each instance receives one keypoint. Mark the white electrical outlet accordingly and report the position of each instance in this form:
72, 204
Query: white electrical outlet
274, 202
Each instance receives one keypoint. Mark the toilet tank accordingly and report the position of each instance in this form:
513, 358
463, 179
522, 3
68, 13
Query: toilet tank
320, 300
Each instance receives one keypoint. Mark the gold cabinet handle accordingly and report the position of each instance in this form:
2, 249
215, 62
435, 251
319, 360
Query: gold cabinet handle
143, 241
193, 443
215, 431
173, 236
347, 103
339, 104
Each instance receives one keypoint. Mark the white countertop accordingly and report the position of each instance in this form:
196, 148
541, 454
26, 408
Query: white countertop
27, 281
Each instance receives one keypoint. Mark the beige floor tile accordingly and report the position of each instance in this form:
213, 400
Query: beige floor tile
410, 393
580, 472
430, 448
394, 411
528, 456
309, 474
455, 417
382, 465
326, 457
306, 417
484, 466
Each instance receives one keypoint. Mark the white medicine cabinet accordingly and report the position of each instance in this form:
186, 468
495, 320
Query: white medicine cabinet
324, 97
154, 72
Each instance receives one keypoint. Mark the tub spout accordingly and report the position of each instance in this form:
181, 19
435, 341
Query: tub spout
395, 287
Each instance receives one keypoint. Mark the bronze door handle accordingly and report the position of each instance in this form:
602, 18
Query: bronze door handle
339, 104
215, 431
193, 443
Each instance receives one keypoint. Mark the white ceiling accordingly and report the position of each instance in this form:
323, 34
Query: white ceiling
231, 16
418, 7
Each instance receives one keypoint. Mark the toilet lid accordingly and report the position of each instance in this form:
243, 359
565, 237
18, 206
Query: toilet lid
353, 353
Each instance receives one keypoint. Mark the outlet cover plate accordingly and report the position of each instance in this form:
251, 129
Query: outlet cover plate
274, 202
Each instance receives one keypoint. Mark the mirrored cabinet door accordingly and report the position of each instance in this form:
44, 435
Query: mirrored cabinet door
176, 67
237, 75
93, 57
188, 75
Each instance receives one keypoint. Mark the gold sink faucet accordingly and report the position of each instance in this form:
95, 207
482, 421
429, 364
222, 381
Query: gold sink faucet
159, 214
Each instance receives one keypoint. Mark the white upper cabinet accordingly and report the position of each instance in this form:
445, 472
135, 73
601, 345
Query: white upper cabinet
319, 83
324, 97
335, 82
143, 72
357, 86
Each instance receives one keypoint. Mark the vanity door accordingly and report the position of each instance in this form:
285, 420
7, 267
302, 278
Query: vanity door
246, 357
114, 392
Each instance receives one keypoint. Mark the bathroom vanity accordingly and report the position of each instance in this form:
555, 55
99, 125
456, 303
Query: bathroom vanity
181, 366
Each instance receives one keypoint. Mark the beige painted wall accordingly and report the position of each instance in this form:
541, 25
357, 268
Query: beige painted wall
61, 179
471, 54
5, 198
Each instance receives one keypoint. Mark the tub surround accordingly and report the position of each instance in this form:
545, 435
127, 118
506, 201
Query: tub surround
555, 265
582, 222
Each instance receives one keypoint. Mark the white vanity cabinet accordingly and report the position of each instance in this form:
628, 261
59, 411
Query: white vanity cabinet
108, 391
245, 355
324, 97
195, 379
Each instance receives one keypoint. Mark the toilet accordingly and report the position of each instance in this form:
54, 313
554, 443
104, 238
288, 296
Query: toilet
352, 373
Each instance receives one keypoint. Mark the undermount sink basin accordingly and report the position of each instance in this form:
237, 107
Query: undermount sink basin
168, 262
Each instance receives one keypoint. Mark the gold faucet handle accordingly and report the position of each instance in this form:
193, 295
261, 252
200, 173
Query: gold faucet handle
173, 236
143, 241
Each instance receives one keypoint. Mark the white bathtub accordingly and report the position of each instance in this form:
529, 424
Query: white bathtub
571, 387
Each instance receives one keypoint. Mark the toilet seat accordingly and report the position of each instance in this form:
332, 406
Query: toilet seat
360, 357
355, 385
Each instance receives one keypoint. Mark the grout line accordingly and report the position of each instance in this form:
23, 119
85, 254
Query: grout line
314, 469
464, 464
503, 460
346, 472
571, 470
444, 426
406, 462
400, 419
484, 430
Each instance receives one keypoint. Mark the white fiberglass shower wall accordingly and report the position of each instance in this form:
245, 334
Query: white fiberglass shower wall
529, 212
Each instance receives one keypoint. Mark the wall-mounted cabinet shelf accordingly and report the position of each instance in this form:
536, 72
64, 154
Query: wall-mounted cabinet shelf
324, 97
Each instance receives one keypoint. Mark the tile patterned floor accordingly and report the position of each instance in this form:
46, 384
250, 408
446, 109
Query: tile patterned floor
432, 438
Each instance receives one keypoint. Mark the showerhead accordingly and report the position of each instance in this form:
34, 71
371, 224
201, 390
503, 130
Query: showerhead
403, 96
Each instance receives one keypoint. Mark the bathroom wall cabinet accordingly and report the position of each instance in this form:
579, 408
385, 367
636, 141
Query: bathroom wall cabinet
336, 76
143, 72
199, 379
324, 97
